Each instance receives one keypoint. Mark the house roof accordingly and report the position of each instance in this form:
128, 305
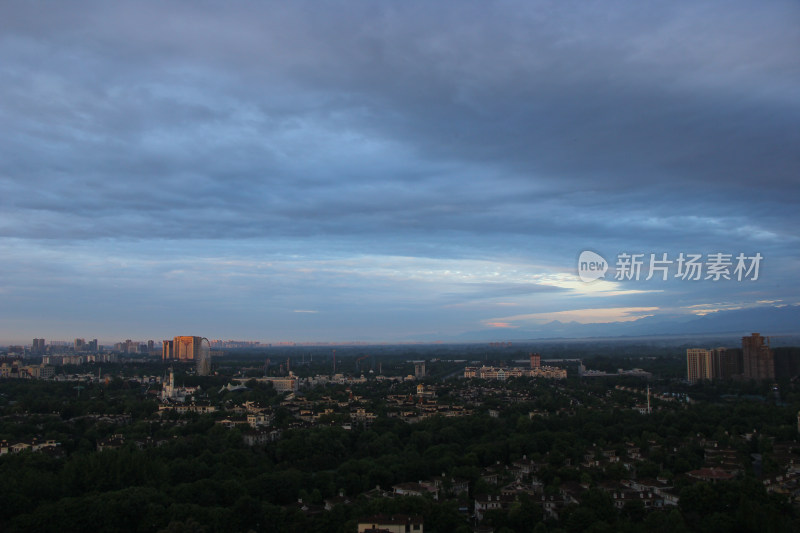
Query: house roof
391, 520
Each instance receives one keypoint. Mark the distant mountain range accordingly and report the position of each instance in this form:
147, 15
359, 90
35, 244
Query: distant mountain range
766, 320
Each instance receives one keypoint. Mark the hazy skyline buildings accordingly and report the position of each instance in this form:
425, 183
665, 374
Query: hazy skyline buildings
754, 361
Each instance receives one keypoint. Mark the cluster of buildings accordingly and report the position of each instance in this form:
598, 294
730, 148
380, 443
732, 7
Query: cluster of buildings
180, 347
40, 346
32, 445
79, 352
135, 347
353, 409
82, 346
424, 404
171, 392
13, 368
219, 344
755, 360
536, 370
79, 359
652, 493
289, 383
634, 372
253, 421
119, 440
438, 486
293, 383
509, 482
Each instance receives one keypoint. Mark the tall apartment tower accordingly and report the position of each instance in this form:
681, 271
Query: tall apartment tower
167, 351
718, 359
726, 363
698, 364
757, 358
186, 348
419, 369
536, 361
38, 346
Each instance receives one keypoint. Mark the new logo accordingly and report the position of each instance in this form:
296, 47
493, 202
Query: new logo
591, 266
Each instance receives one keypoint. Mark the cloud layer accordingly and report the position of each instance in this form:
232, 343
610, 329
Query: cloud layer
398, 169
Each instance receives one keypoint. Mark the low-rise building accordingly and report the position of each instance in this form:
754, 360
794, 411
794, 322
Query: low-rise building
488, 502
391, 524
412, 488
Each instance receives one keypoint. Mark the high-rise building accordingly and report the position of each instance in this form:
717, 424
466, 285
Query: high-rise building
757, 358
419, 369
698, 364
38, 346
203, 361
787, 362
536, 361
718, 360
167, 350
188, 348
80, 345
733, 363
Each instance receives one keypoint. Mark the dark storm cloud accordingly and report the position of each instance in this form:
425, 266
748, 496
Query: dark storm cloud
267, 116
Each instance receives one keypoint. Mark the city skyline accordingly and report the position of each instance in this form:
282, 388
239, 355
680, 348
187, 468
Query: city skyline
362, 172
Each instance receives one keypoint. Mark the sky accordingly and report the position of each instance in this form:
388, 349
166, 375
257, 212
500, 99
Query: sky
389, 171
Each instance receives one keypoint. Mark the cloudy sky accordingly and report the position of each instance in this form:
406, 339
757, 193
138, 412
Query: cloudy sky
388, 170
